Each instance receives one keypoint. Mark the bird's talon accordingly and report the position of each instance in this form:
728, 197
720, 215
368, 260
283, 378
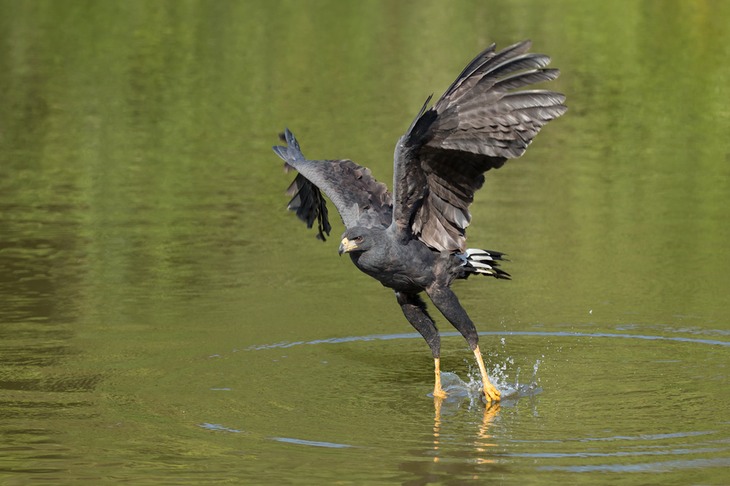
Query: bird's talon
491, 394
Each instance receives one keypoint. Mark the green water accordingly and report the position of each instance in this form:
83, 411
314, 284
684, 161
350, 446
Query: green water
164, 319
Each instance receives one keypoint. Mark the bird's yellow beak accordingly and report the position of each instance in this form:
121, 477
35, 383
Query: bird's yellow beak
346, 246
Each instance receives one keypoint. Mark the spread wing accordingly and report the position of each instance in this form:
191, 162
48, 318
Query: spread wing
358, 197
482, 120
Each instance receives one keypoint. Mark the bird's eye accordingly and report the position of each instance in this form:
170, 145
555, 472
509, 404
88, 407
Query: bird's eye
358, 239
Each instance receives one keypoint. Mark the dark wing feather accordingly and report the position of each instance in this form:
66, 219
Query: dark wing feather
308, 203
478, 123
358, 197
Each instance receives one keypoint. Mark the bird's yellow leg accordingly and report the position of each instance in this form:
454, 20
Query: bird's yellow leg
438, 392
490, 391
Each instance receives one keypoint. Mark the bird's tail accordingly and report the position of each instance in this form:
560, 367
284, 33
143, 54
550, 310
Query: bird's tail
483, 262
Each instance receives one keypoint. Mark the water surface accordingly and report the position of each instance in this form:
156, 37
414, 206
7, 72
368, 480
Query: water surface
164, 320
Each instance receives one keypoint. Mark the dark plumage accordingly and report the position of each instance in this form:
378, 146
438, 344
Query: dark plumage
414, 240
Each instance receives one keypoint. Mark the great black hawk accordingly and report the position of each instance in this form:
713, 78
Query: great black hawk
413, 240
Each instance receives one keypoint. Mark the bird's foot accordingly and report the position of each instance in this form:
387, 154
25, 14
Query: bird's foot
491, 394
439, 392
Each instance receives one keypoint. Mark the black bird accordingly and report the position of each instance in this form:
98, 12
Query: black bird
413, 240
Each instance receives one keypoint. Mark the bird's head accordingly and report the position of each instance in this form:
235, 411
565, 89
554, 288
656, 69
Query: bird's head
355, 240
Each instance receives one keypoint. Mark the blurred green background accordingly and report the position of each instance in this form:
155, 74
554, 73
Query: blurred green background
145, 246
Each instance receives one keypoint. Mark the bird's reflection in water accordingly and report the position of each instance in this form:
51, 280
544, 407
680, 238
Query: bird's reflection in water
483, 442
463, 443
462, 394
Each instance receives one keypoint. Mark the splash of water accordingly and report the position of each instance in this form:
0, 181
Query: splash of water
512, 390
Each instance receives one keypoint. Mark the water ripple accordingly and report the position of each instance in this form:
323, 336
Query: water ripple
312, 443
390, 337
664, 466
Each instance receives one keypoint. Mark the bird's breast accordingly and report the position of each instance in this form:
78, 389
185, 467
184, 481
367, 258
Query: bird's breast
401, 269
